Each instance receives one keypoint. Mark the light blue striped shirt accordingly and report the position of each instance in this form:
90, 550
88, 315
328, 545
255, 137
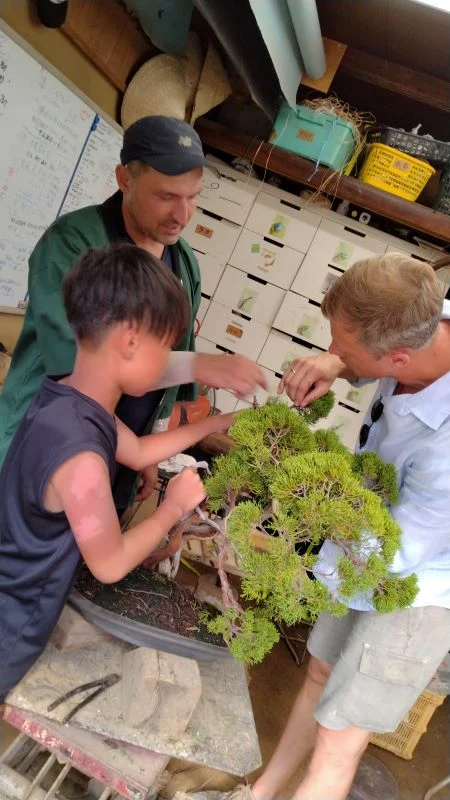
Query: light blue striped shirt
413, 433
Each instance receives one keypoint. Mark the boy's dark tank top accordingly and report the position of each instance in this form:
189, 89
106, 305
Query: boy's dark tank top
38, 553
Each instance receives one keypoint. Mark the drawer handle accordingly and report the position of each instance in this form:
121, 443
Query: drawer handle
338, 269
211, 214
357, 233
257, 279
305, 343
224, 350
228, 178
239, 314
314, 303
349, 408
419, 258
291, 205
272, 241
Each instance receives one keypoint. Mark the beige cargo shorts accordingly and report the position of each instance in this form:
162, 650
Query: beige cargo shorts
381, 663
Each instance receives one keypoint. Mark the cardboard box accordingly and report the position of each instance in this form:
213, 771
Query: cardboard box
228, 193
279, 350
211, 270
249, 295
288, 223
301, 318
233, 332
268, 259
209, 234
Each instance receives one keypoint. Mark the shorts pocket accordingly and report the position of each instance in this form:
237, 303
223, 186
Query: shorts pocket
391, 668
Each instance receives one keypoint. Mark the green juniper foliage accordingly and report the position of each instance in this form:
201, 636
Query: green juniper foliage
302, 487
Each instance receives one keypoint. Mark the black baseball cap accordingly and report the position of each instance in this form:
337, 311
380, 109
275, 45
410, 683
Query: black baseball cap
167, 144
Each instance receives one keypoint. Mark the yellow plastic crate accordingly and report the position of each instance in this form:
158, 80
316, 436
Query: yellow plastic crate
395, 172
404, 739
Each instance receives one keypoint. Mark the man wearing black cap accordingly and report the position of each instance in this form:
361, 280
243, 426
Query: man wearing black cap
159, 179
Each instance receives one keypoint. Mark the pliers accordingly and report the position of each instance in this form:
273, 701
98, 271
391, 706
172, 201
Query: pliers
99, 685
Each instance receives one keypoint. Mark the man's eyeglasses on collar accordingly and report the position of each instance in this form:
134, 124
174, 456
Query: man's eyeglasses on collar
375, 414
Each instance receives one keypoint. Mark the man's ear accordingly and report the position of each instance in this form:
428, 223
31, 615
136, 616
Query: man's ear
123, 178
400, 358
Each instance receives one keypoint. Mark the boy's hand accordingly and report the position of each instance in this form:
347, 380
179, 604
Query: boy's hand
149, 479
185, 491
223, 422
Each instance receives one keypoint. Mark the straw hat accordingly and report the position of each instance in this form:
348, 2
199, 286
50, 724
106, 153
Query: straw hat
213, 86
159, 87
184, 88
192, 68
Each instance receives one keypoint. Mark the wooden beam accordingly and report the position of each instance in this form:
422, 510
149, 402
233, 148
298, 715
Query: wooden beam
396, 78
296, 168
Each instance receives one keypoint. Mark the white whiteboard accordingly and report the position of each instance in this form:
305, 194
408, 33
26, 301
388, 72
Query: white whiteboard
57, 155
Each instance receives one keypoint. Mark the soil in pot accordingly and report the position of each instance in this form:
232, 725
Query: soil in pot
149, 598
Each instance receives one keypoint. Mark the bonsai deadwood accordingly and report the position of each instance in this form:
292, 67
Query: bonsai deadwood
302, 487
194, 526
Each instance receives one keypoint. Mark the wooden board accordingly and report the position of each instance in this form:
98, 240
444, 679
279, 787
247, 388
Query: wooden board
418, 86
334, 53
109, 36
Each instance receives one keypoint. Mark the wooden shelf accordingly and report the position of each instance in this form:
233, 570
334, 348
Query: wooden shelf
282, 162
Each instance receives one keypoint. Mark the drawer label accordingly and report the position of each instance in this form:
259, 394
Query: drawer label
287, 361
307, 326
355, 395
340, 426
247, 300
203, 231
328, 282
279, 226
265, 259
343, 254
234, 330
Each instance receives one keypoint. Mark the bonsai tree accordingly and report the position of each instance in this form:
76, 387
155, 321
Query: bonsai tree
299, 487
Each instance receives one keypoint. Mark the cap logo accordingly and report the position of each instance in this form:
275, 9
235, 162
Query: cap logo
185, 141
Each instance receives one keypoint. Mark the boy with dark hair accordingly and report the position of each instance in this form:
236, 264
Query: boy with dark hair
127, 312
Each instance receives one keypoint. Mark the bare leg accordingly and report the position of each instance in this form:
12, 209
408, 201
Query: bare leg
333, 764
298, 736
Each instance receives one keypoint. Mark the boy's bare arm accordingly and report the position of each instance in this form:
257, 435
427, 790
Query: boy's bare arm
83, 487
138, 452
